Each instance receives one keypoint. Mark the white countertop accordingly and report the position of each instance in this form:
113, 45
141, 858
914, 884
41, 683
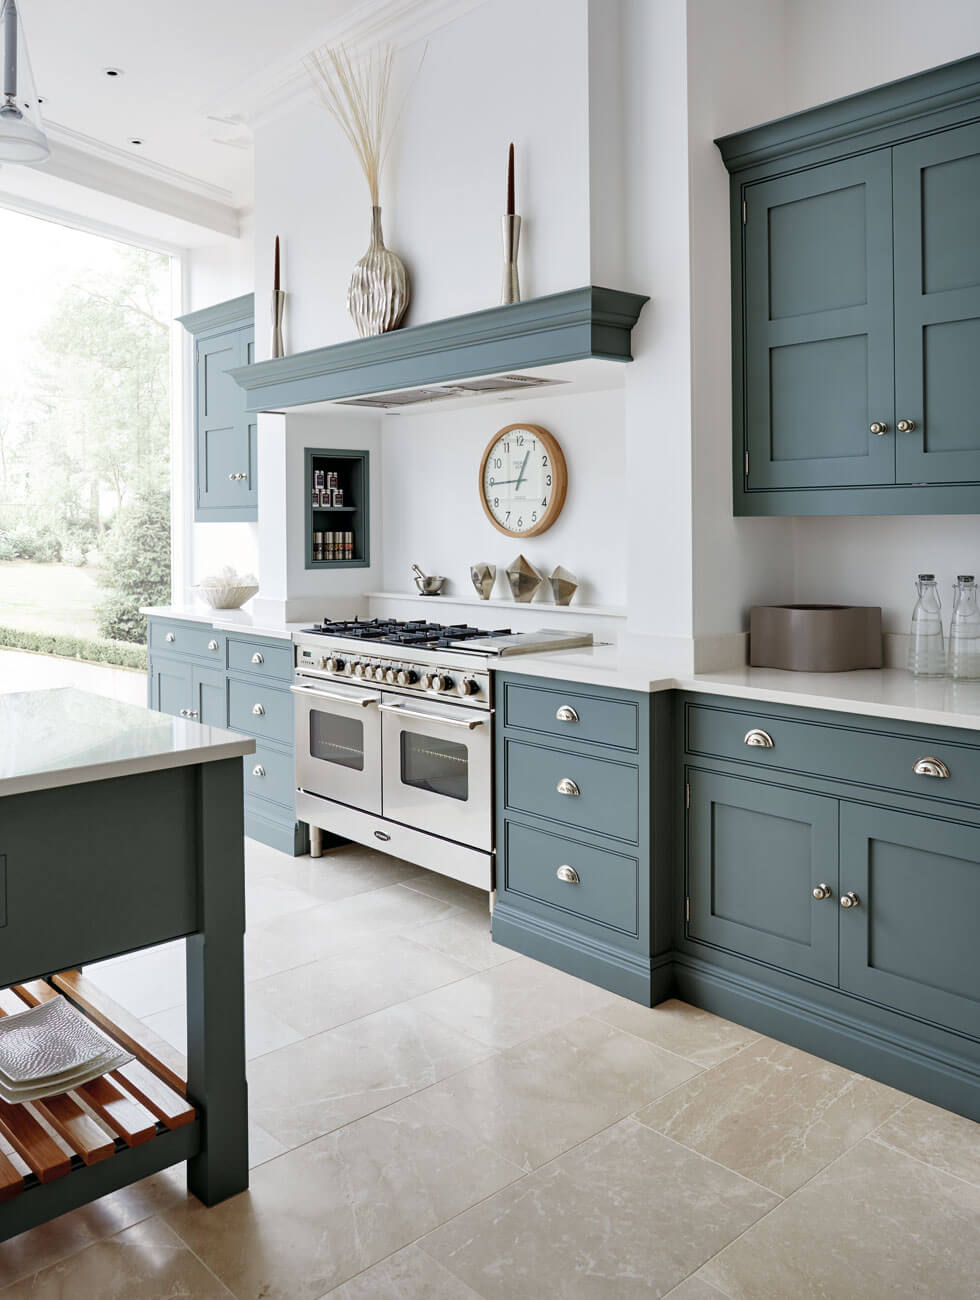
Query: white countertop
66, 736
227, 620
879, 693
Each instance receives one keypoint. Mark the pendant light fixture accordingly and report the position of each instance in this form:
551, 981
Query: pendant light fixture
22, 138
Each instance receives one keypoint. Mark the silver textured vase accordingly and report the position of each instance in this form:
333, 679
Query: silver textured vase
510, 288
377, 295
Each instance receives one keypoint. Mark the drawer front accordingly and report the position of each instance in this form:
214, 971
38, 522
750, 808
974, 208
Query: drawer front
260, 710
605, 891
269, 661
197, 639
271, 774
573, 716
608, 798
852, 754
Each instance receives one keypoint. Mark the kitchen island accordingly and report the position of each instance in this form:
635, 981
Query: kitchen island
121, 828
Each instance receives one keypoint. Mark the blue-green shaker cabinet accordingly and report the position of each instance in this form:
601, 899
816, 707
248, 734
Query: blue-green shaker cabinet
856, 303
225, 445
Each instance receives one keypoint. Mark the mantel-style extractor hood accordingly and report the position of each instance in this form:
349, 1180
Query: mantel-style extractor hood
579, 324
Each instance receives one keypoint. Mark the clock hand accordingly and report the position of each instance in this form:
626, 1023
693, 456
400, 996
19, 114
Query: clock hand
520, 477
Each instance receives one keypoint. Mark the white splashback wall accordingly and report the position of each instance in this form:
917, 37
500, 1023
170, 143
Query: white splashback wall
432, 511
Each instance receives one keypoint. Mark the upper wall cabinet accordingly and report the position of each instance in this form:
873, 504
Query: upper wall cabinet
856, 303
225, 486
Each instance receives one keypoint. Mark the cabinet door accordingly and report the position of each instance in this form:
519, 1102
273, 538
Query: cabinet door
937, 307
209, 697
911, 941
818, 336
170, 686
226, 479
755, 855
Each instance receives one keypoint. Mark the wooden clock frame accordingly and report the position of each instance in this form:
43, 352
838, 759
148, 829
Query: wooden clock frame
558, 487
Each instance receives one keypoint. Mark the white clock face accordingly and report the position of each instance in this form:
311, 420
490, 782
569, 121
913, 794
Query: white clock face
518, 480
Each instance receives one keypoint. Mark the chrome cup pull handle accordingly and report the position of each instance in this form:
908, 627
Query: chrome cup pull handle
257, 658
568, 874
567, 786
258, 770
931, 767
759, 739
212, 645
170, 637
566, 714
258, 710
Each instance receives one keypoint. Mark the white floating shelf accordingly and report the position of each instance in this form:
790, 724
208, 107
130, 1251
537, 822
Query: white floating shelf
513, 606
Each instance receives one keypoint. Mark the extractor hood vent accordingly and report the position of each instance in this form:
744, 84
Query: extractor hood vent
465, 388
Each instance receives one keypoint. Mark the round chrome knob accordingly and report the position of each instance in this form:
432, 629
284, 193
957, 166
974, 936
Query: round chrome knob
333, 664
359, 670
821, 892
391, 676
906, 426
406, 677
878, 428
850, 899
440, 682
468, 686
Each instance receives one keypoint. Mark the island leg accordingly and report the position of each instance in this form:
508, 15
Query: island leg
216, 989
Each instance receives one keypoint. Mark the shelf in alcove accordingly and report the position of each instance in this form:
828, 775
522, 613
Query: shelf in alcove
332, 510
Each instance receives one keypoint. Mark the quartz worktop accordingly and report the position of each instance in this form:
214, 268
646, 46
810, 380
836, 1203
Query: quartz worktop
65, 737
227, 620
879, 693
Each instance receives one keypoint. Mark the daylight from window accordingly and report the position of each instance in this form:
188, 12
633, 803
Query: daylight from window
84, 441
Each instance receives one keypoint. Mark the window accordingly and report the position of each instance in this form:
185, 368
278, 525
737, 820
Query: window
85, 519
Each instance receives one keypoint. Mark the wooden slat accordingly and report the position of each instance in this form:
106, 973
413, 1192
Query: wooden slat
165, 1061
33, 1143
124, 1114
11, 1181
72, 1124
136, 1078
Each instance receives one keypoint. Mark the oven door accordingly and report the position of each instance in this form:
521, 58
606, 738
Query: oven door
338, 743
437, 769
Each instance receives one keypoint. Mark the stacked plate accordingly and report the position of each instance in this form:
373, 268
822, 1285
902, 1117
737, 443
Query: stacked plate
51, 1048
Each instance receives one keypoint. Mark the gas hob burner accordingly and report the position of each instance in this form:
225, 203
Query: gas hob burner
417, 633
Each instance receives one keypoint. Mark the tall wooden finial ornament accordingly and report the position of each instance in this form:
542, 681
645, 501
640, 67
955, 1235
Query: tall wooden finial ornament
510, 290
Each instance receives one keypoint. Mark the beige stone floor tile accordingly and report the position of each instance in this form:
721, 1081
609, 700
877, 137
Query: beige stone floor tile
149, 1261
145, 982
264, 1030
626, 1214
875, 1225
936, 1136
31, 1251
352, 984
694, 1288
262, 1146
773, 1113
534, 1101
269, 897
314, 1086
410, 1274
340, 873
324, 1212
503, 1006
697, 1035
464, 936
335, 927
451, 891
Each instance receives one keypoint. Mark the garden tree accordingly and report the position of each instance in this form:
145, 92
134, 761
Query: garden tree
134, 566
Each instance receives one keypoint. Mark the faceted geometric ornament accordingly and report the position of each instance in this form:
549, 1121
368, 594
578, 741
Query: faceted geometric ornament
524, 579
483, 576
564, 585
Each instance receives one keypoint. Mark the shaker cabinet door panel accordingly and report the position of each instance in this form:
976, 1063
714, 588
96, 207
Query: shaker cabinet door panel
911, 942
756, 853
210, 697
171, 689
225, 432
818, 326
937, 307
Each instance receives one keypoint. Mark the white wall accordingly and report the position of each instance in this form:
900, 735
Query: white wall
432, 512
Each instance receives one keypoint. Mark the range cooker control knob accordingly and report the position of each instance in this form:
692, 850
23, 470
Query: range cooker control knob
406, 677
349, 668
322, 661
468, 686
370, 672
427, 680
360, 670
334, 665
440, 682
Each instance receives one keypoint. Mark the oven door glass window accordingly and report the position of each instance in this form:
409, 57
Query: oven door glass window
433, 764
336, 739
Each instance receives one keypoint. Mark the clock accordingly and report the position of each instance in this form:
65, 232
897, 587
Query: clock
522, 480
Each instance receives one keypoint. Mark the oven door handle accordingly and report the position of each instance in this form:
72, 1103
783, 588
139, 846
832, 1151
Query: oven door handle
470, 723
362, 700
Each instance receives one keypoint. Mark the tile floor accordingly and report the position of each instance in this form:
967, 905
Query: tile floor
436, 1118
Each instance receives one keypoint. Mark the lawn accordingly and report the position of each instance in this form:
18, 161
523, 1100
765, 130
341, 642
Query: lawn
48, 598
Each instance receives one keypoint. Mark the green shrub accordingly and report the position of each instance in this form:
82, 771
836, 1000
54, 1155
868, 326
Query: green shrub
38, 544
7, 549
134, 565
74, 555
118, 653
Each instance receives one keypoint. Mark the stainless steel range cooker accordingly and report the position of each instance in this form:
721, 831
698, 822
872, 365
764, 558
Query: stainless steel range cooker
394, 744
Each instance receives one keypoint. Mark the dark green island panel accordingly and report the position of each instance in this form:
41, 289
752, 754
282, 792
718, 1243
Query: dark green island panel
236, 680
581, 819
856, 303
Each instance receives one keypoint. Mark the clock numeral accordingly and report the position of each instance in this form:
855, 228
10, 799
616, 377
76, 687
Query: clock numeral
519, 439
507, 517
497, 462
520, 521
534, 517
547, 480
544, 462
496, 502
492, 481
506, 446
544, 501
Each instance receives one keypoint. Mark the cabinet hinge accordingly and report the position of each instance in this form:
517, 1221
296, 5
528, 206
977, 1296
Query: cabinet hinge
743, 212
746, 464
687, 908
687, 794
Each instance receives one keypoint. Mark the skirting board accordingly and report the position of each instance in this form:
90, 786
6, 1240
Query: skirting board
290, 837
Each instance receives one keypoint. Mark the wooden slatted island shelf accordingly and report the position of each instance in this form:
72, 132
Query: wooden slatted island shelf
121, 828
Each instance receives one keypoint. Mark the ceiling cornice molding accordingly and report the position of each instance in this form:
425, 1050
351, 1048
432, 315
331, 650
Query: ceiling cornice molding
109, 170
285, 82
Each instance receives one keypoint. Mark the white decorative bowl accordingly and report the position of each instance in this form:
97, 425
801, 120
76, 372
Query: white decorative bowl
226, 597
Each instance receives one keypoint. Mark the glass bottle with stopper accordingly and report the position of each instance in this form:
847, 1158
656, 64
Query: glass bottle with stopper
927, 655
